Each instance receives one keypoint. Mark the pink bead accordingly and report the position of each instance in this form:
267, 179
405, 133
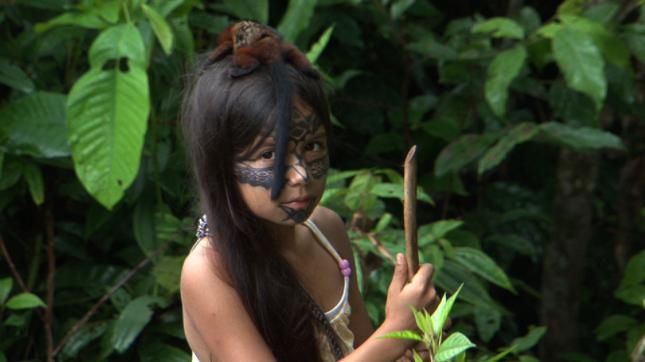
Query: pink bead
346, 271
344, 264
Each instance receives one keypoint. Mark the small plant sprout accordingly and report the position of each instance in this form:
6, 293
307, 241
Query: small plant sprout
431, 326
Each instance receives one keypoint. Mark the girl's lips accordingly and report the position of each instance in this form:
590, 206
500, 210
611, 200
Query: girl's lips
299, 203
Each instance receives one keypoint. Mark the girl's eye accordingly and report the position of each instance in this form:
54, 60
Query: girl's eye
313, 146
268, 155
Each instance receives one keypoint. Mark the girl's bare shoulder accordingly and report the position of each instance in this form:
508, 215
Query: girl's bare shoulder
203, 266
332, 225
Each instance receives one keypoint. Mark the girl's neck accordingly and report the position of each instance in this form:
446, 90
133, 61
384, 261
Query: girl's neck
285, 235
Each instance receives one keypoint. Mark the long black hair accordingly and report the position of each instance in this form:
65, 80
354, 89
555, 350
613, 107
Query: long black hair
222, 116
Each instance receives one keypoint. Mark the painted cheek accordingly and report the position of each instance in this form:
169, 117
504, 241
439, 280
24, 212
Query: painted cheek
262, 177
318, 168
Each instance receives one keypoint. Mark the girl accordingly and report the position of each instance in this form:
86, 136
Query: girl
270, 277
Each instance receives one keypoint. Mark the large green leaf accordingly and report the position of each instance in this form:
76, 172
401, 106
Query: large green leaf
257, 10
501, 72
24, 301
581, 62
296, 19
580, 138
160, 28
107, 114
36, 125
481, 264
13, 76
518, 134
613, 325
167, 272
461, 152
500, 28
133, 318
455, 344
121, 41
84, 336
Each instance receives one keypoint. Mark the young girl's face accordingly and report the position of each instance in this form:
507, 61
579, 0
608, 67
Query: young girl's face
306, 164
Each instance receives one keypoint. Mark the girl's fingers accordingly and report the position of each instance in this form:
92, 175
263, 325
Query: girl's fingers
400, 276
423, 275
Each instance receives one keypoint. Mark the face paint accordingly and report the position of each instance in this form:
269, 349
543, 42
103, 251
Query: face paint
306, 166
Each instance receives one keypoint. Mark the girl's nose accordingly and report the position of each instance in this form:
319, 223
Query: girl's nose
296, 170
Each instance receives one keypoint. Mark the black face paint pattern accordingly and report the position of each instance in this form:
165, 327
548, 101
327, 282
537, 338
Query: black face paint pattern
255, 176
318, 168
299, 215
299, 131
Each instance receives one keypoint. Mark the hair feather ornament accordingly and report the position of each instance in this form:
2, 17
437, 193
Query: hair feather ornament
251, 45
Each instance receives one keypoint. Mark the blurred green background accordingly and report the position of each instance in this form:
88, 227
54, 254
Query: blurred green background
529, 118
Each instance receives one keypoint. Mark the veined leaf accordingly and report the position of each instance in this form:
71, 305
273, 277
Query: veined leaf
83, 337
488, 322
581, 63
15, 77
83, 20
580, 138
160, 27
432, 232
107, 114
133, 318
442, 311
167, 272
36, 125
461, 152
296, 18
501, 72
518, 134
24, 301
392, 190
409, 335
34, 178
480, 263
530, 339
612, 47
320, 45
500, 28
121, 41
257, 10
455, 344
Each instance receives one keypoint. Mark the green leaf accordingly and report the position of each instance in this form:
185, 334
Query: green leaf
442, 311
416, 356
24, 301
613, 325
107, 119
518, 134
392, 190
11, 172
399, 7
488, 322
529, 340
480, 263
36, 125
317, 48
84, 20
581, 63
296, 19
84, 336
121, 41
409, 335
432, 232
160, 27
632, 287
580, 138
452, 346
257, 10
5, 288
500, 28
167, 272
155, 351
34, 178
14, 77
143, 224
132, 319
501, 72
461, 152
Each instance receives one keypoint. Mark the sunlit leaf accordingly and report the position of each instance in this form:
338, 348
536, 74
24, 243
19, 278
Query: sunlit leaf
160, 27
409, 335
121, 41
441, 313
455, 344
107, 114
581, 63
317, 48
501, 72
24, 301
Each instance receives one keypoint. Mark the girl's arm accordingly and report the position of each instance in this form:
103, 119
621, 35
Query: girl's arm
214, 315
419, 292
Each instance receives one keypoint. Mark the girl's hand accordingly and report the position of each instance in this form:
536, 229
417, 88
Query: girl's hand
401, 295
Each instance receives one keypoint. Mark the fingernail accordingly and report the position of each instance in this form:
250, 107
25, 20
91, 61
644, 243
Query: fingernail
399, 258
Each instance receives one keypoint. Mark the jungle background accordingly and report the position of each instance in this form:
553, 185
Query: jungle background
529, 117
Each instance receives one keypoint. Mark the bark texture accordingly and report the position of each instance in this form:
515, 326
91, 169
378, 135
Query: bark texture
564, 257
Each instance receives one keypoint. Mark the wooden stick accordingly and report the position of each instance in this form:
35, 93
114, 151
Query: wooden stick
410, 211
